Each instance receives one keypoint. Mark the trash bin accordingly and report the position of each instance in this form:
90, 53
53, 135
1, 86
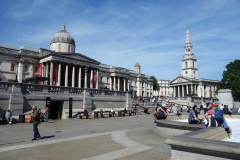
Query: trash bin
21, 118
95, 115
119, 114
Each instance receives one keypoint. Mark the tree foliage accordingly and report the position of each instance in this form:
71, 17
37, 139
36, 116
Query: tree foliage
155, 83
231, 78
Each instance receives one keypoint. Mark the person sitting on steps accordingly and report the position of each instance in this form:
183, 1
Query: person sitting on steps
86, 113
193, 117
8, 116
113, 112
102, 113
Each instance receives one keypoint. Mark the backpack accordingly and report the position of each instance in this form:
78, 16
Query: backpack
213, 121
30, 118
218, 115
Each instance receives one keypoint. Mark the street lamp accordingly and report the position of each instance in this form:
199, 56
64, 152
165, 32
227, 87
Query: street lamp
18, 57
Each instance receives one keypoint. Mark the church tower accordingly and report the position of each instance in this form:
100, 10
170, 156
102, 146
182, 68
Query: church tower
189, 60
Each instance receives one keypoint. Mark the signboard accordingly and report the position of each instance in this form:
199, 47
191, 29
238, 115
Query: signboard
48, 101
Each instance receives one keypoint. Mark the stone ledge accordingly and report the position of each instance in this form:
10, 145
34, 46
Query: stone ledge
200, 141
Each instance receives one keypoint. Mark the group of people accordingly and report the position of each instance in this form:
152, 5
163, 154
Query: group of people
164, 110
213, 115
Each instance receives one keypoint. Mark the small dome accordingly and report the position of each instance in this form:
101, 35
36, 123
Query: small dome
63, 37
137, 65
188, 56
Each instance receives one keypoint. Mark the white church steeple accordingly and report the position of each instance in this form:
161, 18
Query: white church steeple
189, 60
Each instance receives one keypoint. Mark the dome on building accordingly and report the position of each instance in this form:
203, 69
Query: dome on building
63, 37
137, 65
188, 56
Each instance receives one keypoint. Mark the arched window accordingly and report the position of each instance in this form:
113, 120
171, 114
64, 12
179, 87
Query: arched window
188, 49
186, 66
59, 47
193, 63
69, 48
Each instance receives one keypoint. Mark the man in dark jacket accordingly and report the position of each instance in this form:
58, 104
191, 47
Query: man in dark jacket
36, 121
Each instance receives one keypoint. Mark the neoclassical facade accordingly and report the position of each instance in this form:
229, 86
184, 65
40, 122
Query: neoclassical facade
63, 67
164, 88
188, 82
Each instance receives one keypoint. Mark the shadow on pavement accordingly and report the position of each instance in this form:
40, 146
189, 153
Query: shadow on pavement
45, 137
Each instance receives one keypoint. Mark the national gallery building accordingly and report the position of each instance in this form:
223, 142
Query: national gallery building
61, 66
63, 79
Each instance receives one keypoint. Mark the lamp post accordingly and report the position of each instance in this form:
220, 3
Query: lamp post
18, 57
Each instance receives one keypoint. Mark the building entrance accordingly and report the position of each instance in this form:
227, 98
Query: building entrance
56, 108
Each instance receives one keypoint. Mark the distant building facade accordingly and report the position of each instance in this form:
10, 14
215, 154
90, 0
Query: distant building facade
164, 88
188, 82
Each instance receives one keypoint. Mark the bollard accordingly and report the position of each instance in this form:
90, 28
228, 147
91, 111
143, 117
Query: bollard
119, 114
95, 115
21, 118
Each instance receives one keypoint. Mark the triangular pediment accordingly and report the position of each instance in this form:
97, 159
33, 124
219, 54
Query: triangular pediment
180, 79
81, 57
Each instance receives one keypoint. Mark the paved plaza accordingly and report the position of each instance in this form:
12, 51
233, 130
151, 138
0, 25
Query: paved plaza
129, 137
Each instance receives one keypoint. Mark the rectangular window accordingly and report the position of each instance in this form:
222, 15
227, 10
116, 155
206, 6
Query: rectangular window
12, 67
36, 69
25, 68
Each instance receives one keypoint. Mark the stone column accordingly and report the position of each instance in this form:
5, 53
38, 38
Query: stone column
73, 76
114, 83
42, 69
85, 77
30, 71
178, 91
182, 90
128, 85
110, 83
47, 69
195, 89
51, 73
59, 74
97, 79
20, 71
175, 91
91, 79
191, 88
80, 77
124, 84
118, 83
187, 89
66, 76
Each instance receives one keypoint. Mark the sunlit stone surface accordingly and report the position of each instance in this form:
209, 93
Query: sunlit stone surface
234, 124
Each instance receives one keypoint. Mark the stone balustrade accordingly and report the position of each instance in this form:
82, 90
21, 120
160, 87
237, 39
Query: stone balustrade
4, 86
102, 92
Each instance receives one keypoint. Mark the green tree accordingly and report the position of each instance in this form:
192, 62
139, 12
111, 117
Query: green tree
231, 78
155, 83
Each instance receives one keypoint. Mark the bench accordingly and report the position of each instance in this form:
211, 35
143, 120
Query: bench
81, 114
127, 111
109, 113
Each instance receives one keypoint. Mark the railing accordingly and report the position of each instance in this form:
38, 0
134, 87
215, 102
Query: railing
4, 86
106, 92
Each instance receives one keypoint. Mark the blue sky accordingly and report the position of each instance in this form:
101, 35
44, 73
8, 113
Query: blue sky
123, 32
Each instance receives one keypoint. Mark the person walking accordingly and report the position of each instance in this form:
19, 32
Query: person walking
36, 121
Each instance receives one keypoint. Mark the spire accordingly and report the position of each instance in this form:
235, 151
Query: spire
63, 27
187, 36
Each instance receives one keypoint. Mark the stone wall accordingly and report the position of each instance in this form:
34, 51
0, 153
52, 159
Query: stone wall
21, 97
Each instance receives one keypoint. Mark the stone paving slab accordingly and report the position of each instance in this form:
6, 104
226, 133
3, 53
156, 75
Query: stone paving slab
128, 137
